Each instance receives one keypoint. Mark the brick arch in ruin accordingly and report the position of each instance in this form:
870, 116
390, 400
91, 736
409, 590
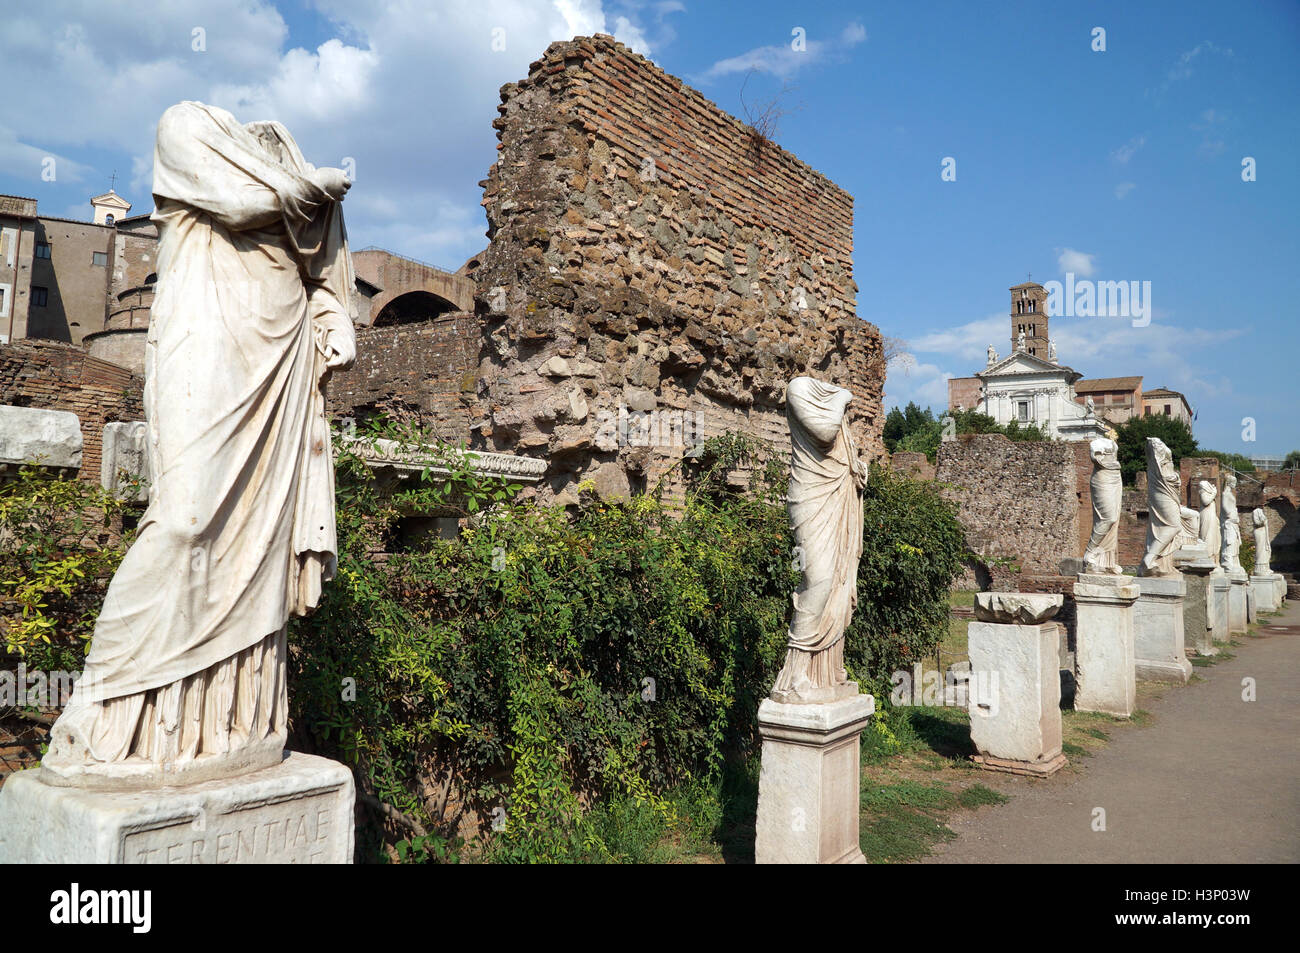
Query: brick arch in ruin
416, 283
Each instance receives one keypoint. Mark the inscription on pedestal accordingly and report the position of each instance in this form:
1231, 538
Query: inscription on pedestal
293, 831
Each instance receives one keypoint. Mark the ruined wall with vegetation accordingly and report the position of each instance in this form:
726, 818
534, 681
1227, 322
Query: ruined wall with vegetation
655, 267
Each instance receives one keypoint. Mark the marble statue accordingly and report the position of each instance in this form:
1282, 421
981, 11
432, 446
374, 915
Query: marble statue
993, 355
1263, 545
1228, 502
1090, 405
1102, 554
825, 510
1230, 560
185, 678
1051, 350
1208, 530
1165, 528
1020, 341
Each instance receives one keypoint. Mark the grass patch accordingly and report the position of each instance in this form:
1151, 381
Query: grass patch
977, 795
1072, 750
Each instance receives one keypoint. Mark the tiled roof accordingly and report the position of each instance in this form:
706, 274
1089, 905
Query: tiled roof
1107, 383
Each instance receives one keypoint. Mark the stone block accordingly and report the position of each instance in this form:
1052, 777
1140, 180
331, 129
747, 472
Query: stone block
1238, 602
125, 457
47, 438
1015, 695
296, 812
1105, 645
1158, 629
1197, 624
1266, 594
808, 787
1218, 596
1023, 608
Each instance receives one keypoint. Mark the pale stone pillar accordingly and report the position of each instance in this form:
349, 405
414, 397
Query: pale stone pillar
1015, 683
1238, 602
1265, 591
1197, 567
809, 784
1220, 587
1105, 659
1158, 629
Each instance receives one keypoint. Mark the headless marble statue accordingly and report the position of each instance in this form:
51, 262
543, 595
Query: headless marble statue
1165, 529
1107, 487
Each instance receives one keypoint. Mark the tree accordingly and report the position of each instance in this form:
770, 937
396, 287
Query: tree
1292, 461
1234, 460
1131, 437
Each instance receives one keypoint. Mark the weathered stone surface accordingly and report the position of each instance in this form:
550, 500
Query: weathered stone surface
299, 811
688, 280
1020, 608
1015, 691
49, 438
1238, 600
1266, 592
1197, 622
808, 787
1158, 629
1105, 644
125, 458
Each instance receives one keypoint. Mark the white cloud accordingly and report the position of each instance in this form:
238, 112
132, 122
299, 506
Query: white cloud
1127, 151
926, 384
1124, 188
783, 60
1081, 263
408, 90
968, 342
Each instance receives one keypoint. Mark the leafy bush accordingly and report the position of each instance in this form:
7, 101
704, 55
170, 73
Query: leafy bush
920, 431
1131, 439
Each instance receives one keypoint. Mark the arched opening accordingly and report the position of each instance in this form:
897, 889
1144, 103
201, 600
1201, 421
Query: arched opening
412, 308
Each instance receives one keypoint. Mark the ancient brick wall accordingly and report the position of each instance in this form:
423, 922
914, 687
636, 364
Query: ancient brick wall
1017, 501
651, 255
56, 376
913, 465
424, 372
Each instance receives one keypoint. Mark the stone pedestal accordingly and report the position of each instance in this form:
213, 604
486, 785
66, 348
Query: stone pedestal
808, 786
1238, 602
1266, 593
1197, 623
1219, 595
297, 812
1158, 629
1015, 696
1104, 644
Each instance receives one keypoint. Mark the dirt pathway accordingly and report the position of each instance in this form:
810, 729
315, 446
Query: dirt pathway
1212, 778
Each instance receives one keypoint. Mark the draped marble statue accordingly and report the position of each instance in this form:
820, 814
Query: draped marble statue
1230, 525
1208, 530
1165, 527
185, 679
1263, 545
825, 509
1107, 487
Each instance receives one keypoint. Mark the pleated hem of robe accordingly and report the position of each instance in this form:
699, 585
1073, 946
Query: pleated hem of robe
225, 712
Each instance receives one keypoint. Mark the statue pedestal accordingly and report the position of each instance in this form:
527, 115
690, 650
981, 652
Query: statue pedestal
1219, 595
1197, 623
1105, 644
1266, 592
297, 812
808, 786
1158, 629
1015, 696
1238, 602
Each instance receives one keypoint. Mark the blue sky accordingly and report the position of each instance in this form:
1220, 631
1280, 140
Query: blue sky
1117, 165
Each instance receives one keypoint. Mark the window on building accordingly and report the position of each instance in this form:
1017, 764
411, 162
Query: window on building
40, 296
1167, 410
1022, 410
108, 219
1033, 306
99, 258
3, 309
1146, 411
42, 249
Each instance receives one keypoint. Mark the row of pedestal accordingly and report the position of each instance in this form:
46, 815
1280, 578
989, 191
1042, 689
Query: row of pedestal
1126, 628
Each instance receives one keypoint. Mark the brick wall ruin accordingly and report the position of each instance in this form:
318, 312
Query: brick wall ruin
423, 372
651, 255
55, 376
1017, 501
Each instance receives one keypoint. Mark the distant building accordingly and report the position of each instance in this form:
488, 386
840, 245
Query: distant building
1031, 386
1167, 402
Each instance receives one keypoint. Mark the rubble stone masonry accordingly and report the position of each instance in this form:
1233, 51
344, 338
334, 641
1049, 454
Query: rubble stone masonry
653, 256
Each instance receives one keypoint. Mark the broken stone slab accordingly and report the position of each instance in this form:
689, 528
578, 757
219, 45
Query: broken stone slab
45, 438
1159, 632
1017, 608
125, 459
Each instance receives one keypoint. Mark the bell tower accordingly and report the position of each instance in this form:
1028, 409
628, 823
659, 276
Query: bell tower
1029, 314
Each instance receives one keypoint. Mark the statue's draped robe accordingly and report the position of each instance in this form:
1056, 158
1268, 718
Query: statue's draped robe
825, 509
1165, 528
1211, 538
188, 653
1107, 488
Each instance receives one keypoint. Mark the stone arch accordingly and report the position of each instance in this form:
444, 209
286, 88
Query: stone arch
413, 307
